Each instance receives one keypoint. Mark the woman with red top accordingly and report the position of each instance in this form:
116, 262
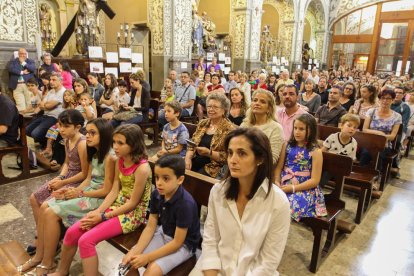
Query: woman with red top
215, 85
262, 82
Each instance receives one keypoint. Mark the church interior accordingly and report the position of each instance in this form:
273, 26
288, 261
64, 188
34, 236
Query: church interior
102, 99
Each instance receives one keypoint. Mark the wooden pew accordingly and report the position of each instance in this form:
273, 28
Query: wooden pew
153, 122
339, 166
191, 128
410, 137
391, 155
361, 179
199, 187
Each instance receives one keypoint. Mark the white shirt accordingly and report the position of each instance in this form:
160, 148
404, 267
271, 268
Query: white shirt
54, 95
251, 246
334, 145
245, 88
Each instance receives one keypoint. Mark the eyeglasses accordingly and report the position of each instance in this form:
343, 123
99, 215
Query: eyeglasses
400, 93
386, 99
91, 133
214, 107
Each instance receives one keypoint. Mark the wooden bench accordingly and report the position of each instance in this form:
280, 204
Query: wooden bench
391, 156
334, 206
191, 128
361, 179
199, 187
152, 123
193, 117
410, 137
12, 254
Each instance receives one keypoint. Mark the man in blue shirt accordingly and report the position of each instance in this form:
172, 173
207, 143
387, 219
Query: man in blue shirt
185, 95
174, 209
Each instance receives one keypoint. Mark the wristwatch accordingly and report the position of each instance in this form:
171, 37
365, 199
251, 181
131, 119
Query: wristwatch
103, 216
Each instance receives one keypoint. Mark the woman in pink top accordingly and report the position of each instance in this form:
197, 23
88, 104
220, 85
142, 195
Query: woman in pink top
66, 73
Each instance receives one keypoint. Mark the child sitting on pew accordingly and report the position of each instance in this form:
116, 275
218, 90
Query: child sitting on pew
164, 247
342, 142
174, 134
299, 169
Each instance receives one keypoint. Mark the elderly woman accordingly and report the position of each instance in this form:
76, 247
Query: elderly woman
245, 87
309, 98
382, 121
348, 97
208, 155
262, 115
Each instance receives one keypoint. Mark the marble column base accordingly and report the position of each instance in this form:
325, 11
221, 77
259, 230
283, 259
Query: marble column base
253, 65
159, 71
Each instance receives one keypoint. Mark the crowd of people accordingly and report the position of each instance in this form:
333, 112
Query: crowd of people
257, 135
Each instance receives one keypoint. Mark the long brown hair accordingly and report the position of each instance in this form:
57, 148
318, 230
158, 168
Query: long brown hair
135, 139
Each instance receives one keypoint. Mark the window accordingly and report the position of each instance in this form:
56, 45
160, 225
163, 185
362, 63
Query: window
398, 6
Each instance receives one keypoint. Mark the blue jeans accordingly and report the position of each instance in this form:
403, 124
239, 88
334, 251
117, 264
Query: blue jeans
135, 120
162, 121
37, 128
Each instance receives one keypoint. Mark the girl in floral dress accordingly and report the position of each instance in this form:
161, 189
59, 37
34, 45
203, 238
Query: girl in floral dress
299, 169
123, 209
71, 204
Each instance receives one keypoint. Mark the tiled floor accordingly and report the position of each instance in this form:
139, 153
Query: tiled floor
381, 245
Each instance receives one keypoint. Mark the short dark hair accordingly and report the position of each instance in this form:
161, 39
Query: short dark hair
45, 76
387, 92
185, 72
105, 139
341, 90
292, 86
260, 145
172, 161
122, 83
32, 81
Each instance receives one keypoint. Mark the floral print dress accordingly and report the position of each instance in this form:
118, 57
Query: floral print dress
74, 209
131, 220
298, 169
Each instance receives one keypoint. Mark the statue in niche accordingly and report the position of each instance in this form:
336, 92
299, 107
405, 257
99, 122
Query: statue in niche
87, 27
307, 53
268, 45
45, 17
197, 36
209, 33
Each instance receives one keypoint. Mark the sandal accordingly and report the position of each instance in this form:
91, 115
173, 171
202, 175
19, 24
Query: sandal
46, 269
31, 264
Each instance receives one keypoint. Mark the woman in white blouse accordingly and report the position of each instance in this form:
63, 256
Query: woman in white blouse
248, 217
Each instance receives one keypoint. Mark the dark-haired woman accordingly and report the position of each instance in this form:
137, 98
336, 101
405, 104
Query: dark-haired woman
95, 87
108, 97
347, 98
237, 106
245, 202
68, 205
367, 101
299, 170
309, 98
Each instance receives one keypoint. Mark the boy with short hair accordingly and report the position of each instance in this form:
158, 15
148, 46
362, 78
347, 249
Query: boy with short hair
122, 98
174, 133
176, 239
342, 142
35, 96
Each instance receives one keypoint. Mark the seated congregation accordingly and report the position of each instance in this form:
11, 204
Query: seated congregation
257, 149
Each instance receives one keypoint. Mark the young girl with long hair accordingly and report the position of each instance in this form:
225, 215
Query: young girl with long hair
123, 209
68, 205
299, 170
237, 106
75, 167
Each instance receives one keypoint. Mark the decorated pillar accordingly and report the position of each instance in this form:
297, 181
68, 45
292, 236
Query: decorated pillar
170, 25
320, 38
297, 41
245, 28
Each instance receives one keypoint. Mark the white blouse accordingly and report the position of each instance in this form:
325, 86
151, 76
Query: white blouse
252, 245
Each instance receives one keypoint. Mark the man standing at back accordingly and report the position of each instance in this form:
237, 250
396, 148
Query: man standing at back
20, 70
52, 106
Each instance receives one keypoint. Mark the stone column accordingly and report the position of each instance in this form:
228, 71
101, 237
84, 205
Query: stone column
245, 29
320, 46
296, 55
170, 25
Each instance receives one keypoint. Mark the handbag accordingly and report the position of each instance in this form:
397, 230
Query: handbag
125, 115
